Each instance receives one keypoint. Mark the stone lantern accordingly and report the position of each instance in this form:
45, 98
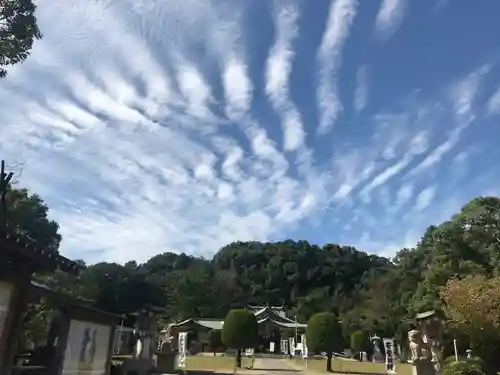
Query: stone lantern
431, 330
377, 354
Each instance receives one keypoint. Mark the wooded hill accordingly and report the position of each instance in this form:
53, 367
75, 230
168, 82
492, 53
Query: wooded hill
367, 292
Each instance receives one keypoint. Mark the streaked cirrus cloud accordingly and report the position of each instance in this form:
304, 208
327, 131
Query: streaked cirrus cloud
154, 126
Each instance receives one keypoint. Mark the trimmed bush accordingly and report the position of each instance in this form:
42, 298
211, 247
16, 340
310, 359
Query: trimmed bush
462, 368
240, 331
359, 341
474, 361
450, 360
324, 334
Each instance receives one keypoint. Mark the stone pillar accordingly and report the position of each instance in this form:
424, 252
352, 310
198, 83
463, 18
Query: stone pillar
431, 331
420, 356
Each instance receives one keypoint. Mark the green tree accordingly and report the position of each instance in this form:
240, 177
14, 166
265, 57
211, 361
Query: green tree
324, 334
359, 341
18, 31
215, 339
27, 216
472, 306
240, 331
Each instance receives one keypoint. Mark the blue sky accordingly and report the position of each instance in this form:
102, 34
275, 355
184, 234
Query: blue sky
169, 125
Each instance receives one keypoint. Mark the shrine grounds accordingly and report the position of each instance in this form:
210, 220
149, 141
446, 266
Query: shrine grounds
346, 366
349, 366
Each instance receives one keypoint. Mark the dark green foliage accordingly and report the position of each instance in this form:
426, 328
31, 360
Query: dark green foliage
27, 217
324, 333
450, 360
18, 30
215, 339
462, 368
476, 361
360, 341
240, 329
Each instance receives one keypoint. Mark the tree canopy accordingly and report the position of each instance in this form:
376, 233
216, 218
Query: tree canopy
324, 334
240, 329
18, 31
27, 215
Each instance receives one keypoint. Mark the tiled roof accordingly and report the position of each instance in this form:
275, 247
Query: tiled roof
43, 259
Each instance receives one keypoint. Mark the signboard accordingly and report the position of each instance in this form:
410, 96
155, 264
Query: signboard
5, 295
304, 347
271, 346
284, 347
390, 365
86, 349
182, 350
291, 342
249, 352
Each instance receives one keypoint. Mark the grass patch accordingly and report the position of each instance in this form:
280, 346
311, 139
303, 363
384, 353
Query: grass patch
211, 363
340, 365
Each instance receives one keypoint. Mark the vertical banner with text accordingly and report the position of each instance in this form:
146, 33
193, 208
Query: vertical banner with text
291, 342
390, 365
304, 347
182, 349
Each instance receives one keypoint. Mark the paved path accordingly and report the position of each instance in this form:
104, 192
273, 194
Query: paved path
275, 366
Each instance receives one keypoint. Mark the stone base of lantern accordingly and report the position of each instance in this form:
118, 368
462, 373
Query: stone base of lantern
423, 368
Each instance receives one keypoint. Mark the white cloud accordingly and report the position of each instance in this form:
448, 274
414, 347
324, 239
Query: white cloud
389, 18
155, 138
416, 146
340, 18
404, 194
279, 66
463, 94
238, 88
425, 198
194, 89
361, 92
494, 103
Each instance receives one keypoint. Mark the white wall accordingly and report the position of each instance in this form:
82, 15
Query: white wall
87, 349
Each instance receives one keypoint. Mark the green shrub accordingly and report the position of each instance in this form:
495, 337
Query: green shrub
324, 334
450, 360
215, 339
359, 341
474, 361
462, 368
240, 329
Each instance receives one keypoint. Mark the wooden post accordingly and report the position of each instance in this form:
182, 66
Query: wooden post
14, 319
62, 342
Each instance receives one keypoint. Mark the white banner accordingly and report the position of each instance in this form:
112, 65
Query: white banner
390, 364
249, 352
291, 342
182, 350
271, 346
304, 347
284, 347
